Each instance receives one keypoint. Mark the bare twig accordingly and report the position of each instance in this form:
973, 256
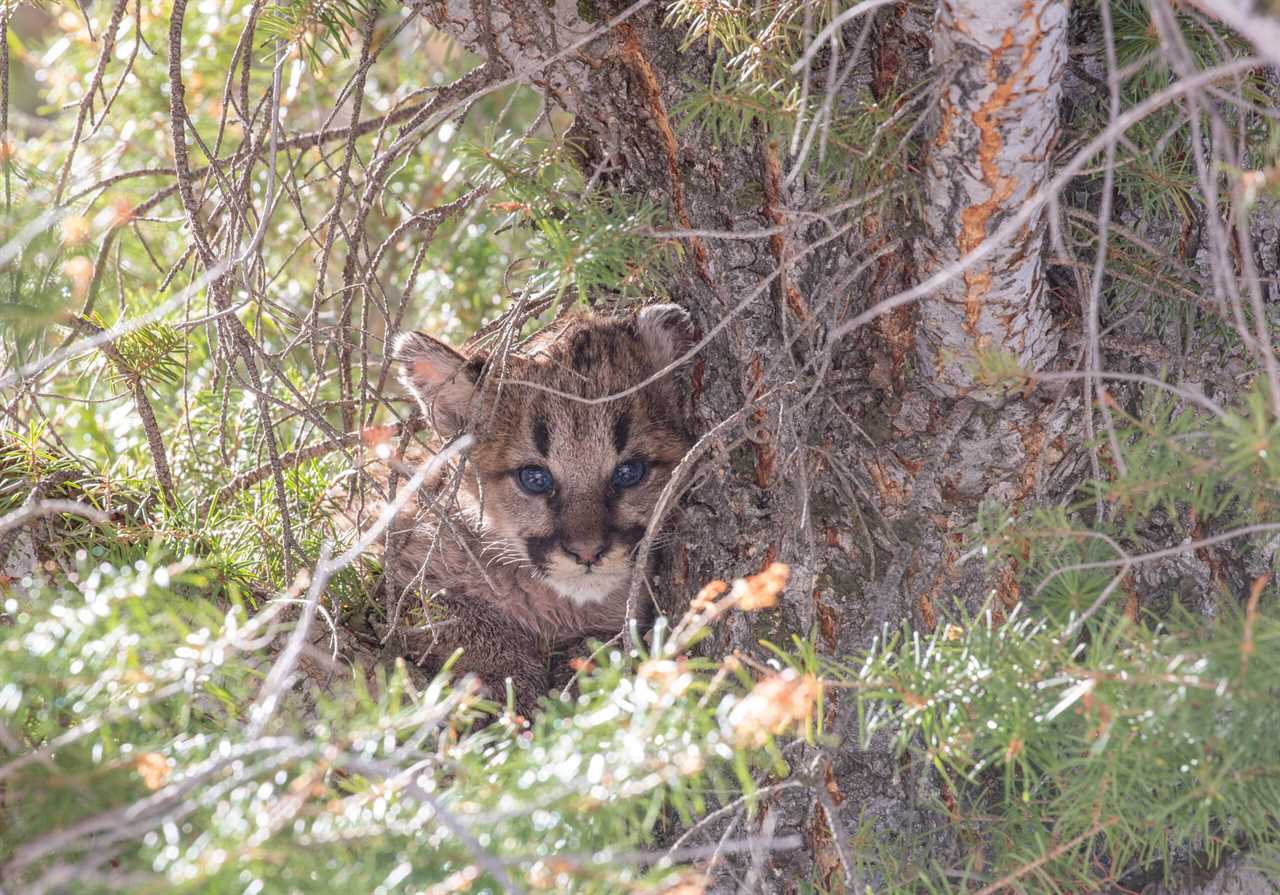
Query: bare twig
29, 511
95, 82
302, 455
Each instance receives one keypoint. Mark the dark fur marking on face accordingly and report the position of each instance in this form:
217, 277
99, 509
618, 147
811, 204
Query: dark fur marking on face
584, 356
621, 431
542, 436
538, 548
630, 536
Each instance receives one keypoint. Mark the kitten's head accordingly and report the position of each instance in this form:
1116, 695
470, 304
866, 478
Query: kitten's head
566, 486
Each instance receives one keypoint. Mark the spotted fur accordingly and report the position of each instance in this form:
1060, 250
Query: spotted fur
516, 575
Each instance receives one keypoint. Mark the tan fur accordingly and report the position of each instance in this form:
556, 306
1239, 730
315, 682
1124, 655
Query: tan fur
511, 573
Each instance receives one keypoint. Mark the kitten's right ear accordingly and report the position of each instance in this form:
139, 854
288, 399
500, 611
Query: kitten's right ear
442, 380
667, 331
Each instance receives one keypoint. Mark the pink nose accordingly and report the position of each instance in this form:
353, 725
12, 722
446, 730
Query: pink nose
586, 553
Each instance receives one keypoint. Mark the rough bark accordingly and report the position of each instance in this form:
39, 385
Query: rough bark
998, 119
1236, 876
524, 37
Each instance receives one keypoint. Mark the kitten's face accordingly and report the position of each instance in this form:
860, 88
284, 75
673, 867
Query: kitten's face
565, 486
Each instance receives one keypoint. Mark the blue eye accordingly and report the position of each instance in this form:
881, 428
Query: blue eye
629, 474
535, 479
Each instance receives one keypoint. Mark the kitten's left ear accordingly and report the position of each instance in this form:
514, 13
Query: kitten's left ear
667, 331
442, 380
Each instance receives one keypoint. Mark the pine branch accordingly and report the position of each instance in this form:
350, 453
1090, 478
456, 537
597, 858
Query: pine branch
131, 377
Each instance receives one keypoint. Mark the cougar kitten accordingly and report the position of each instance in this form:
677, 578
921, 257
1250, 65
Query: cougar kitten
539, 551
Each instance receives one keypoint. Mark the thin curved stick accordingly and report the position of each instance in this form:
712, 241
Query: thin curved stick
49, 507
